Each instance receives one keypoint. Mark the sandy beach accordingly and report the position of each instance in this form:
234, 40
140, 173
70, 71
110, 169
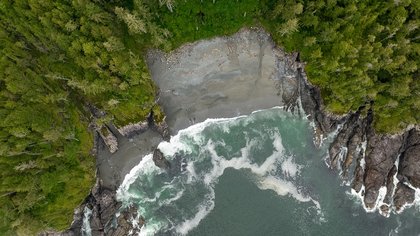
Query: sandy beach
222, 78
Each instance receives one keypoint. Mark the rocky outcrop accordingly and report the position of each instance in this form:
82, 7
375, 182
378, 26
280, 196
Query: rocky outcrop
128, 221
409, 165
160, 160
102, 220
404, 195
132, 130
384, 169
369, 161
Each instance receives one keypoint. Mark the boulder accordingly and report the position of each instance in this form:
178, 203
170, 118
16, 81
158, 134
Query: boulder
403, 195
160, 160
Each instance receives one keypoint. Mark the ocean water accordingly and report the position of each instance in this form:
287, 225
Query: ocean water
251, 175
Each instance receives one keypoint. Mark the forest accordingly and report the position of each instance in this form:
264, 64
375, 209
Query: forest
57, 58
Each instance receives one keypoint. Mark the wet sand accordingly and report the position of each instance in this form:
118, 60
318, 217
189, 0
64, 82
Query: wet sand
113, 167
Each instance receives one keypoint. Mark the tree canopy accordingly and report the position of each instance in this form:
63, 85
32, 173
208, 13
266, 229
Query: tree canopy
56, 57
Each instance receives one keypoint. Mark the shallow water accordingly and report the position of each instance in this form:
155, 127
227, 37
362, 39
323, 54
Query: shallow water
251, 175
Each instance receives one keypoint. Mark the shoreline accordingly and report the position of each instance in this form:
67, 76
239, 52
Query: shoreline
207, 79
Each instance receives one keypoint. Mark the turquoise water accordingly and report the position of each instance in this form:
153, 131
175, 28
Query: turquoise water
251, 175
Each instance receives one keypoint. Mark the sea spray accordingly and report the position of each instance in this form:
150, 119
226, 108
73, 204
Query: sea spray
86, 229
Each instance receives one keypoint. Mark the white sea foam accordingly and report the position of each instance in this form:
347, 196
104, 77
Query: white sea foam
395, 182
150, 228
341, 156
363, 148
395, 232
359, 196
219, 166
289, 168
379, 200
282, 188
242, 162
86, 229
177, 196
203, 210
199, 151
144, 168
362, 164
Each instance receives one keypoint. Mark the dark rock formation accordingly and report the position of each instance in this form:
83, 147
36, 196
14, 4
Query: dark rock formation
381, 153
160, 160
409, 166
403, 195
104, 206
362, 156
125, 223
367, 158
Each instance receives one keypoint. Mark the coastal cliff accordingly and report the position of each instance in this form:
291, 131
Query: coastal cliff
382, 169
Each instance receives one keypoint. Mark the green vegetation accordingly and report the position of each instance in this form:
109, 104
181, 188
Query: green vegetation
357, 51
58, 56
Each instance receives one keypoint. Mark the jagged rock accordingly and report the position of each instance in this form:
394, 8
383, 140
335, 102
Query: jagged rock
103, 204
351, 154
108, 204
379, 157
390, 185
97, 227
409, 167
313, 106
381, 154
385, 210
160, 161
349, 137
403, 195
358, 178
125, 223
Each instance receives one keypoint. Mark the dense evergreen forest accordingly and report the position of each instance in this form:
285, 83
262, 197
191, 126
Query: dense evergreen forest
59, 57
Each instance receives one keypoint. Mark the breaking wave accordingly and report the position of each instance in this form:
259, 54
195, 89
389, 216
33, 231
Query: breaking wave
177, 200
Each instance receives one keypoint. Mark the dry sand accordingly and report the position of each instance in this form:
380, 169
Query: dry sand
221, 78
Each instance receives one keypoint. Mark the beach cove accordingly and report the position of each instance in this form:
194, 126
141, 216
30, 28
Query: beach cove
225, 80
